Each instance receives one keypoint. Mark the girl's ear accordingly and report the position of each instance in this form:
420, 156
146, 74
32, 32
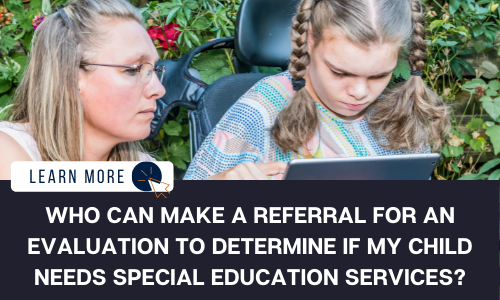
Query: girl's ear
310, 40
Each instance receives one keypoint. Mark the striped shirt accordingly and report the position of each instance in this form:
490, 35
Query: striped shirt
243, 134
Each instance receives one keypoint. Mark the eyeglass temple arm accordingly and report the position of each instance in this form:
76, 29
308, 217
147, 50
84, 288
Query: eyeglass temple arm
108, 65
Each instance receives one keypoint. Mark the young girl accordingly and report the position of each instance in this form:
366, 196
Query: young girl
89, 90
329, 103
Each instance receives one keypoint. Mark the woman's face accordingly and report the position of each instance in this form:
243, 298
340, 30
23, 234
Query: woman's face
117, 106
346, 78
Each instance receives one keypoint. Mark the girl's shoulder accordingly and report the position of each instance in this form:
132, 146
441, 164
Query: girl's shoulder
271, 92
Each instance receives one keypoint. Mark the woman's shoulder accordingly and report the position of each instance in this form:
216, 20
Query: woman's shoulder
20, 133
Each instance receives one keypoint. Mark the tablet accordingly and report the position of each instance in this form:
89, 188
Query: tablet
390, 167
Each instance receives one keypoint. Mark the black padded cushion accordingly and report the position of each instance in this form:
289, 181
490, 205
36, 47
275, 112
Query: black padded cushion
262, 32
223, 93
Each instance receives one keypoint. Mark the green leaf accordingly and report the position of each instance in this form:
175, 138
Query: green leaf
491, 93
478, 80
492, 108
447, 43
22, 60
152, 5
446, 151
194, 38
457, 69
182, 115
494, 85
178, 163
465, 136
474, 124
172, 128
181, 18
436, 24
7, 41
490, 35
167, 6
270, 70
462, 31
478, 144
28, 37
494, 133
15, 6
473, 177
489, 124
454, 5
4, 100
5, 85
172, 14
212, 68
46, 8
451, 151
455, 168
478, 30
191, 4
464, 64
489, 165
9, 68
201, 23
187, 12
489, 69
402, 69
20, 35
495, 175
482, 46
181, 151
185, 130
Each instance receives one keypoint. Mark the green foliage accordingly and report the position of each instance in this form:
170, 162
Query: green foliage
20, 33
213, 65
402, 69
454, 27
494, 133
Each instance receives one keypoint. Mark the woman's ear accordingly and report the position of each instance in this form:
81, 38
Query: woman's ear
81, 81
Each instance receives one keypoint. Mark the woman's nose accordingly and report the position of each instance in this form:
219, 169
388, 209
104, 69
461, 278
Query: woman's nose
155, 88
358, 89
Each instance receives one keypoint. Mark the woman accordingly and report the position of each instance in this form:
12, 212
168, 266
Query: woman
328, 103
89, 90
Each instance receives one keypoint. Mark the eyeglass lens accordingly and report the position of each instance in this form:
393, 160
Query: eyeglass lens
147, 70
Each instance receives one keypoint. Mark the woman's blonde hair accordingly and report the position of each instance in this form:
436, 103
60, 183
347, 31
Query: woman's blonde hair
410, 113
48, 96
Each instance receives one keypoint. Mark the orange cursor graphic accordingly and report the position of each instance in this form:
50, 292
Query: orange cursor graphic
160, 186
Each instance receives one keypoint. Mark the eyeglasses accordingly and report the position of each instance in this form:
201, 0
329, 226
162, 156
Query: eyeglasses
145, 70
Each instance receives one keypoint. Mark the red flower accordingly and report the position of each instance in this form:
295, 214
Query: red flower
156, 33
165, 45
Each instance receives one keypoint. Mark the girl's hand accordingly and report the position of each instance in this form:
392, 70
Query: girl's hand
251, 171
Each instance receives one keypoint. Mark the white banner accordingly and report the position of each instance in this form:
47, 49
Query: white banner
87, 176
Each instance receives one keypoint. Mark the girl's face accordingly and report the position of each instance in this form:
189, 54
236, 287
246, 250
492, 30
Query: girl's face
346, 78
117, 106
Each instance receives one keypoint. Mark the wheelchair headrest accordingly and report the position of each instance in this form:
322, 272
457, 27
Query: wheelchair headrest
262, 35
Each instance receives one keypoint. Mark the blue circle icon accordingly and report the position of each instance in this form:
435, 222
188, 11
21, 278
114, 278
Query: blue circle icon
142, 174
